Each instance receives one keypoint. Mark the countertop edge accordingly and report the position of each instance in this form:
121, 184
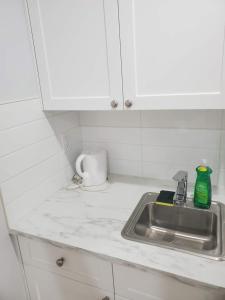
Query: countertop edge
115, 260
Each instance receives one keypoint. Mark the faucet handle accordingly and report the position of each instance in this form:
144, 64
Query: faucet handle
181, 176
181, 192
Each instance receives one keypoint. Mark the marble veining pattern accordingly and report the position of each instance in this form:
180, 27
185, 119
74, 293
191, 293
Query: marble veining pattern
93, 221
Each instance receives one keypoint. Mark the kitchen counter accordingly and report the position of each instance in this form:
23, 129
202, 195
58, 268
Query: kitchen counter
93, 221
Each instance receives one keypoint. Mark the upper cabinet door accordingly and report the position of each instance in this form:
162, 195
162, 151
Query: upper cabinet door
18, 74
78, 53
172, 53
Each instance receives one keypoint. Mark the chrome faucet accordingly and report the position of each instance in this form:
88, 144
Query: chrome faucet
180, 196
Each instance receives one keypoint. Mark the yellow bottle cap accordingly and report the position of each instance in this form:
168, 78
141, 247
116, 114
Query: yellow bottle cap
202, 169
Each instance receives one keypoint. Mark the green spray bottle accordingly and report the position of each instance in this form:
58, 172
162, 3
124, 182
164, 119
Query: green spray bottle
203, 188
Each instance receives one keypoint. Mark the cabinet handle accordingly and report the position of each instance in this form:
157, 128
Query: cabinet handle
106, 298
114, 104
60, 261
128, 103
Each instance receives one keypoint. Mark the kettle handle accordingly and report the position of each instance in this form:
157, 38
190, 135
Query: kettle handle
78, 166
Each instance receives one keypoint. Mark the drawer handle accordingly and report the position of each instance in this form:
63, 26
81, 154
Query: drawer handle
106, 298
60, 261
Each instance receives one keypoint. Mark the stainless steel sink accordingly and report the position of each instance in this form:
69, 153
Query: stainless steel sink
185, 228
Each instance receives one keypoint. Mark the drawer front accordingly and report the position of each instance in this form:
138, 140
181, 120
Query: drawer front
45, 285
71, 263
134, 284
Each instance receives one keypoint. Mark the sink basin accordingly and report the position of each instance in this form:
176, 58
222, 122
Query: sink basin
185, 228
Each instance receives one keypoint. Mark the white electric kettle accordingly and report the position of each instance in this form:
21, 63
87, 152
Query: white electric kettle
91, 166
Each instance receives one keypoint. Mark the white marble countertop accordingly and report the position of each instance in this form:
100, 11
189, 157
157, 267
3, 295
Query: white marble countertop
93, 221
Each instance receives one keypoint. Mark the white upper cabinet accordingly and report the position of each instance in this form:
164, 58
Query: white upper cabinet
78, 53
18, 74
172, 53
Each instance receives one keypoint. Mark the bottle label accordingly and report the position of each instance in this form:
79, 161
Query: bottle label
202, 193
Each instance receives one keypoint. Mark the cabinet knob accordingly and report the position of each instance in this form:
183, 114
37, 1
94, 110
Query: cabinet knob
114, 104
60, 261
106, 298
128, 103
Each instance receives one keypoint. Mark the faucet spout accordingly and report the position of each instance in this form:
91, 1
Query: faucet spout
180, 196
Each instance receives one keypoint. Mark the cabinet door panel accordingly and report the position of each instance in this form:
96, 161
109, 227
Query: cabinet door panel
77, 265
172, 53
134, 284
45, 286
78, 52
18, 76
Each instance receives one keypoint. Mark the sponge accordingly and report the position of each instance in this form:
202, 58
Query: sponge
165, 198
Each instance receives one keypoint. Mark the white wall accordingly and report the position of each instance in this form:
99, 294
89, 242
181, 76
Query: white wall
32, 160
222, 158
33, 163
155, 143
12, 285
17, 71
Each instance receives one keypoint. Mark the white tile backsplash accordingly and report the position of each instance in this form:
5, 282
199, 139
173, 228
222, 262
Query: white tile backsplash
38, 150
117, 151
26, 158
179, 159
111, 134
33, 152
160, 170
61, 123
187, 119
30, 178
222, 156
72, 145
20, 112
223, 119
155, 143
187, 138
111, 119
178, 155
35, 196
125, 167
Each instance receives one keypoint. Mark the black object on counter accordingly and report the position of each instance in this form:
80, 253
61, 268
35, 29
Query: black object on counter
165, 197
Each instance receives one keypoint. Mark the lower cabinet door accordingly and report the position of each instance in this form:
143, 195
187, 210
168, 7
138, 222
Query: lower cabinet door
45, 285
134, 284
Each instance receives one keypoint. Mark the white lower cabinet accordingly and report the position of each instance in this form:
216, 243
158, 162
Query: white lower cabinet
133, 284
59, 273
45, 285
70, 263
